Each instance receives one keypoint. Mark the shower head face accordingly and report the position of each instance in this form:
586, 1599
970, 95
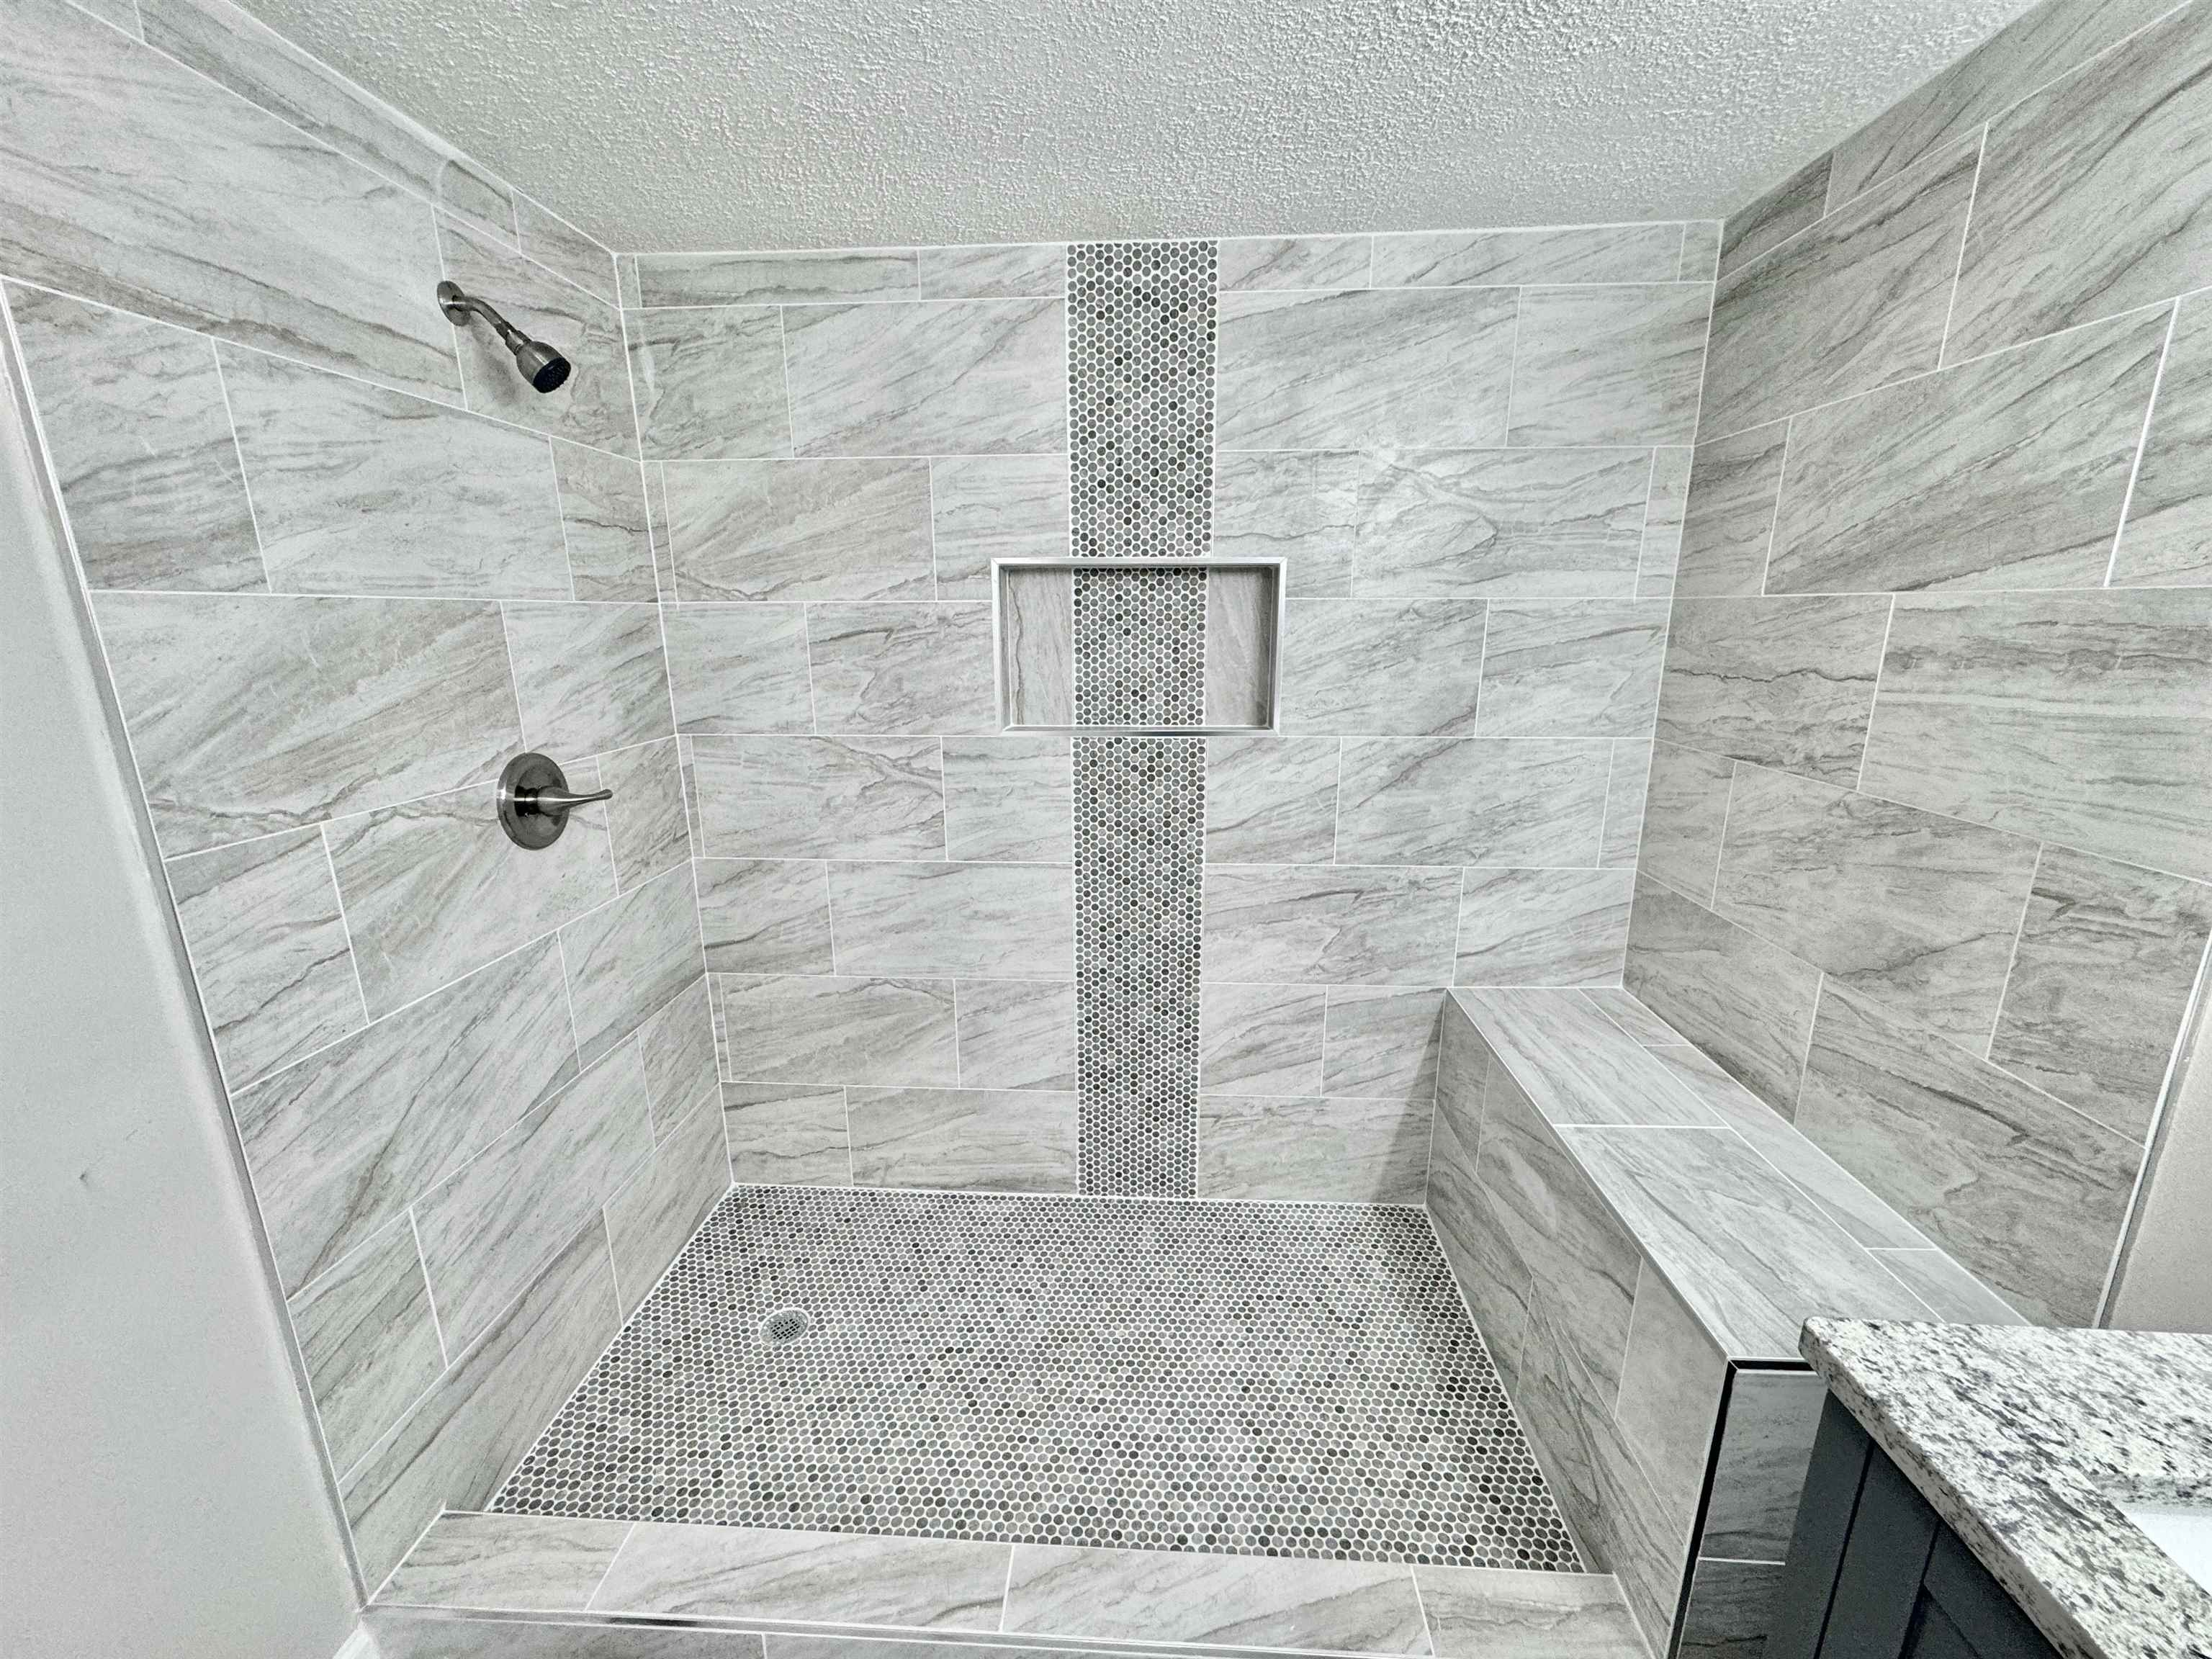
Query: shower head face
545, 368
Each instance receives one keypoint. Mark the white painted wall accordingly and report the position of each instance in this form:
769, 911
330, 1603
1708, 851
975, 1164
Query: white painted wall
160, 1490
2165, 1281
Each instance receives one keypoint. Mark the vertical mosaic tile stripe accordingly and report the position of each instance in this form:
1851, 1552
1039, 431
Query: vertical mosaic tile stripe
1140, 407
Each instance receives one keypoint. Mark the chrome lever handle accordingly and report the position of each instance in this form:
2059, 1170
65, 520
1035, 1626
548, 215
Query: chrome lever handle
555, 799
535, 800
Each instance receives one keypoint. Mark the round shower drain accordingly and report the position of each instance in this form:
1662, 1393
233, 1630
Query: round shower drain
786, 1325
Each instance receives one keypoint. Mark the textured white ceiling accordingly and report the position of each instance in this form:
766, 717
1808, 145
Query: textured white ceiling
701, 124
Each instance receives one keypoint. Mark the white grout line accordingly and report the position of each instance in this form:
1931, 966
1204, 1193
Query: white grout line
245, 482
2012, 959
600, 1583
1873, 702
1513, 365
1966, 235
345, 928
429, 1291
2143, 445
1774, 519
1720, 849
560, 518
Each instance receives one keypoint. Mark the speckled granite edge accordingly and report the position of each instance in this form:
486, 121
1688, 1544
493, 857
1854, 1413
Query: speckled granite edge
2022, 1439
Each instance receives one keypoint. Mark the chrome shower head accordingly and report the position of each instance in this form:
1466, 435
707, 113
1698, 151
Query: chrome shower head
543, 366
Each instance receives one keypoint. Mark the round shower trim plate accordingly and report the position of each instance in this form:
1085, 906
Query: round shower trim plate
784, 1325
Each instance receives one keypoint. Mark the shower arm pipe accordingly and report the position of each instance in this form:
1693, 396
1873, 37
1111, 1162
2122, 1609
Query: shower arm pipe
450, 296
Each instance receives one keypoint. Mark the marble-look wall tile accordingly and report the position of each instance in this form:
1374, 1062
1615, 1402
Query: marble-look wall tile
1505, 259
1746, 1003
1037, 662
592, 406
1574, 1065
1759, 1468
1261, 1039
1729, 523
1777, 215
818, 797
994, 506
1786, 682
1362, 368
1338, 926
738, 670
994, 271
2099, 984
678, 1045
1609, 365
2169, 527
902, 667
1543, 926
645, 820
650, 1218
545, 1563
1010, 799
2026, 1192
435, 889
2095, 193
1271, 800
488, 1231
765, 915
1287, 505
1955, 1295
141, 446
2005, 472
974, 377
1019, 1140
564, 250
1472, 800
603, 514
1495, 1613
828, 1578
800, 529
361, 490
1701, 252
1627, 783
1494, 1280
730, 279
131, 180
884, 1032
1312, 1149
1343, 666
1240, 682
1380, 1044
1670, 1388
1572, 668
1731, 1607
792, 1136
987, 921
1684, 813
1623, 1010
249, 715
709, 384
1294, 262
1853, 302
1916, 910
1016, 1033
590, 677
1659, 552
369, 1342
627, 960
269, 951
2085, 718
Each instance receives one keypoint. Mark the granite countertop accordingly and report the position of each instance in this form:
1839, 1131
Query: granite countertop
2026, 1440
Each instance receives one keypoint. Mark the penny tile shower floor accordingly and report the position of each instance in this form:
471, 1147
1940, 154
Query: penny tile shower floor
1240, 1378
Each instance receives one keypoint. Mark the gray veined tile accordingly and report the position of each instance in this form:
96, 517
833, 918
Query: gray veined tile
1336, 926
1623, 1010
738, 670
2095, 193
709, 384
1955, 1295
549, 1562
341, 1144
1572, 668
603, 516
890, 1033
1727, 523
1021, 1140
969, 377
2169, 527
645, 820
1610, 365
1010, 798
141, 446
1261, 1039
1566, 253
590, 677
435, 889
1543, 927
1731, 1607
800, 529
1293, 262
1472, 800
678, 1045
765, 915
1290, 505
123, 14
788, 1136
2099, 984
564, 250
1271, 800
1240, 647
627, 960
1313, 1149
1777, 215
994, 506
269, 951
1758, 1468
1223, 1600
1488, 1613
650, 1217
1685, 810
2008, 471
135, 182
828, 1578
1017, 1033
1659, 554
438, 1637
1574, 1065
1492, 1276
1701, 252
369, 1342
656, 524
1852, 302
1356, 369
1036, 646
2024, 1192
818, 797
592, 406
1627, 785
1381, 1043
1343, 666
361, 490
1915, 909
1670, 1388
987, 920
759, 279
490, 1228
1787, 682
250, 715
2084, 718
993, 270
902, 667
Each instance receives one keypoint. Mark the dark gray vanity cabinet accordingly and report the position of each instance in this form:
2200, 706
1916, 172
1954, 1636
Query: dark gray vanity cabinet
1874, 1573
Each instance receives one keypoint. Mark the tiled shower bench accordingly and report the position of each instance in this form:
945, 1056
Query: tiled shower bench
1640, 1239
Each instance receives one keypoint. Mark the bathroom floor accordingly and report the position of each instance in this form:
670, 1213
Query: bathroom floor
1240, 1378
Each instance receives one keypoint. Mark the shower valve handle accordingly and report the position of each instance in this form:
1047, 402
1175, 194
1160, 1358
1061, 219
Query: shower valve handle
535, 800
557, 801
